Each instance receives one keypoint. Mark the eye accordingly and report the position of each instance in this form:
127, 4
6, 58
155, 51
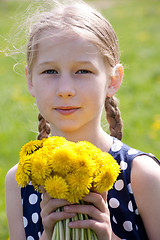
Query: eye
83, 71
50, 71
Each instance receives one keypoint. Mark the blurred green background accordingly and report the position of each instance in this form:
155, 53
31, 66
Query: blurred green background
137, 24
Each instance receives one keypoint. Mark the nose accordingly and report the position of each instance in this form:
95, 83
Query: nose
65, 87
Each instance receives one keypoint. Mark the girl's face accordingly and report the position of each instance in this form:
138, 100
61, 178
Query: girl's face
69, 81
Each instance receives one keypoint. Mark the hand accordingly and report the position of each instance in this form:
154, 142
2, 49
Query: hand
99, 213
48, 214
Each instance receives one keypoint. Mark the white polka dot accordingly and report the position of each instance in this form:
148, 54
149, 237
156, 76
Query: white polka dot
136, 227
150, 154
117, 145
130, 188
39, 234
119, 185
130, 206
137, 212
114, 220
25, 222
128, 226
33, 199
35, 217
132, 151
30, 238
114, 203
123, 165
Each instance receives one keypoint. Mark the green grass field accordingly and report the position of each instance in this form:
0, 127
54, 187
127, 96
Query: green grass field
137, 25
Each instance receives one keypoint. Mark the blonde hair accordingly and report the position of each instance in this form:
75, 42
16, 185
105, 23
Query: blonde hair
78, 18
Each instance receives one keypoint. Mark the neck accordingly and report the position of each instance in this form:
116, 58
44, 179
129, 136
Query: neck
98, 137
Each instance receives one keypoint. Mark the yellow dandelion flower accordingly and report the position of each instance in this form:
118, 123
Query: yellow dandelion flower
31, 147
36, 185
68, 170
91, 151
156, 125
63, 160
84, 165
39, 167
89, 148
56, 187
108, 173
79, 186
55, 142
23, 173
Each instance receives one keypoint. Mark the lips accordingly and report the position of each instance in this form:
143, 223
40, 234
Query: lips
66, 110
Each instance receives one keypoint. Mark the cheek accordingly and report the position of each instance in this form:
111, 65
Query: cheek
101, 90
41, 89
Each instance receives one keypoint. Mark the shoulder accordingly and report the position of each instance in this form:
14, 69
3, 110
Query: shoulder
145, 169
145, 174
10, 177
10, 181
145, 181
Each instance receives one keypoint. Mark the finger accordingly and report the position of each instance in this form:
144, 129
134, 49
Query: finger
45, 199
52, 205
42, 189
98, 201
97, 227
90, 210
50, 220
101, 229
60, 215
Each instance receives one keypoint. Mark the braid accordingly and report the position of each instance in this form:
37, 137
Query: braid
113, 117
43, 127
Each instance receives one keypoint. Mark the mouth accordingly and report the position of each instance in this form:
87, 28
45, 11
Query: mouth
66, 110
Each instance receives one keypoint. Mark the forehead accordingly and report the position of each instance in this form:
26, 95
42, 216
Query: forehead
52, 44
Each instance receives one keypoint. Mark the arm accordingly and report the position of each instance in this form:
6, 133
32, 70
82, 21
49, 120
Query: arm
14, 206
15, 212
145, 180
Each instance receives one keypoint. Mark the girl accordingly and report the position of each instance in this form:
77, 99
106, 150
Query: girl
72, 70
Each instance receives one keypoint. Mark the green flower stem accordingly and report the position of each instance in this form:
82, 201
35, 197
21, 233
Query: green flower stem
76, 229
61, 230
90, 233
72, 230
82, 230
54, 233
68, 231
82, 234
95, 236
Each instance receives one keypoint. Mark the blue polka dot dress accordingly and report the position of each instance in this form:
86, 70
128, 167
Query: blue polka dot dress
125, 219
31, 213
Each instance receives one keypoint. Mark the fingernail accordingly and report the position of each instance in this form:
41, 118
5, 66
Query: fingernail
70, 224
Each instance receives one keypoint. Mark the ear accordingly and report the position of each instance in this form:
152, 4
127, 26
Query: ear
115, 80
29, 82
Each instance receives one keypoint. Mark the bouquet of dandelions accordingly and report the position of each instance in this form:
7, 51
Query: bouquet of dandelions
67, 170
